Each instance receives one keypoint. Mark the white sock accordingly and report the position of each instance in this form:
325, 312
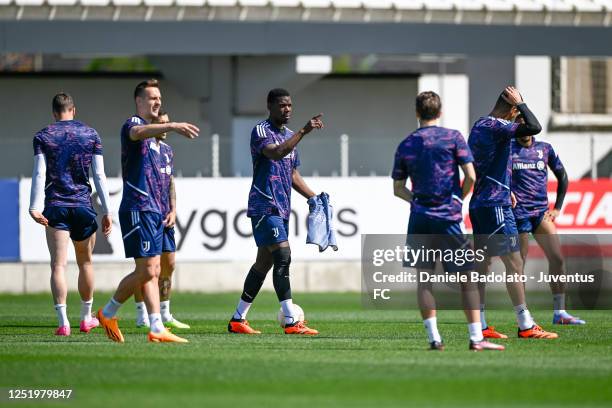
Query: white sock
242, 309
483, 321
431, 325
475, 330
62, 318
141, 312
523, 317
559, 303
156, 323
111, 308
287, 307
86, 309
164, 308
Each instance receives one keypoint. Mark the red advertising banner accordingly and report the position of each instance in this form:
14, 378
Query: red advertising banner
587, 207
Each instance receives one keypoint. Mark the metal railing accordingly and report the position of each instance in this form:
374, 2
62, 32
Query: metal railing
340, 156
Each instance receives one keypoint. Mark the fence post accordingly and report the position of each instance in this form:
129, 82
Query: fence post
593, 158
344, 155
215, 155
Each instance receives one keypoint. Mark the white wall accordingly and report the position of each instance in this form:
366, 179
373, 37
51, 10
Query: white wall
454, 92
103, 103
533, 79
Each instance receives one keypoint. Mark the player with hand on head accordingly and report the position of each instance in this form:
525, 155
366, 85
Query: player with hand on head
275, 173
431, 157
491, 204
168, 255
531, 159
141, 210
63, 154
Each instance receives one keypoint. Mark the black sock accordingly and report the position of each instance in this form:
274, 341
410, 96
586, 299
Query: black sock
252, 285
280, 276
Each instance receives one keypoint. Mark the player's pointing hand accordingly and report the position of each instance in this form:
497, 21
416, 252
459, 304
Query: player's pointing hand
314, 123
186, 129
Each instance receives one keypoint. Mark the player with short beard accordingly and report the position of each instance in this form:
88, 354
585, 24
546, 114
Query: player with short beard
140, 212
168, 255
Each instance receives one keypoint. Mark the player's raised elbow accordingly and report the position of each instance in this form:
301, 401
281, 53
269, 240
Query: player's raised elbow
134, 134
534, 128
137, 133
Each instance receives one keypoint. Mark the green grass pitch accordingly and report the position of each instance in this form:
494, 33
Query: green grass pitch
363, 358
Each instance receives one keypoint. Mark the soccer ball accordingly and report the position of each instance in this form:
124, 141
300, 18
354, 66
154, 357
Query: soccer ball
297, 310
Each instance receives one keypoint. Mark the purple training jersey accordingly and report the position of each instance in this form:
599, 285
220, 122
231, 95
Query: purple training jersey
431, 157
167, 169
68, 147
490, 144
272, 179
140, 166
530, 177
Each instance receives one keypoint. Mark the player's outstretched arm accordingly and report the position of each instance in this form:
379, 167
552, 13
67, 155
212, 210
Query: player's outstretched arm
277, 152
99, 178
400, 190
469, 178
143, 132
300, 185
37, 190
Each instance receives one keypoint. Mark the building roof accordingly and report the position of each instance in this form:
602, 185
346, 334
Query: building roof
503, 12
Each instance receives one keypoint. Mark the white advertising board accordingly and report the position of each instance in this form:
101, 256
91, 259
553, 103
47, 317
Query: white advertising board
212, 223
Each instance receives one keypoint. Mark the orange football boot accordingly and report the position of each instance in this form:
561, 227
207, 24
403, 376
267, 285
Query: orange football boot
490, 333
241, 326
111, 327
536, 332
300, 328
166, 337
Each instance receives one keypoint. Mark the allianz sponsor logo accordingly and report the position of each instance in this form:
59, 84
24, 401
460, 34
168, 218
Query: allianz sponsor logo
523, 166
528, 166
